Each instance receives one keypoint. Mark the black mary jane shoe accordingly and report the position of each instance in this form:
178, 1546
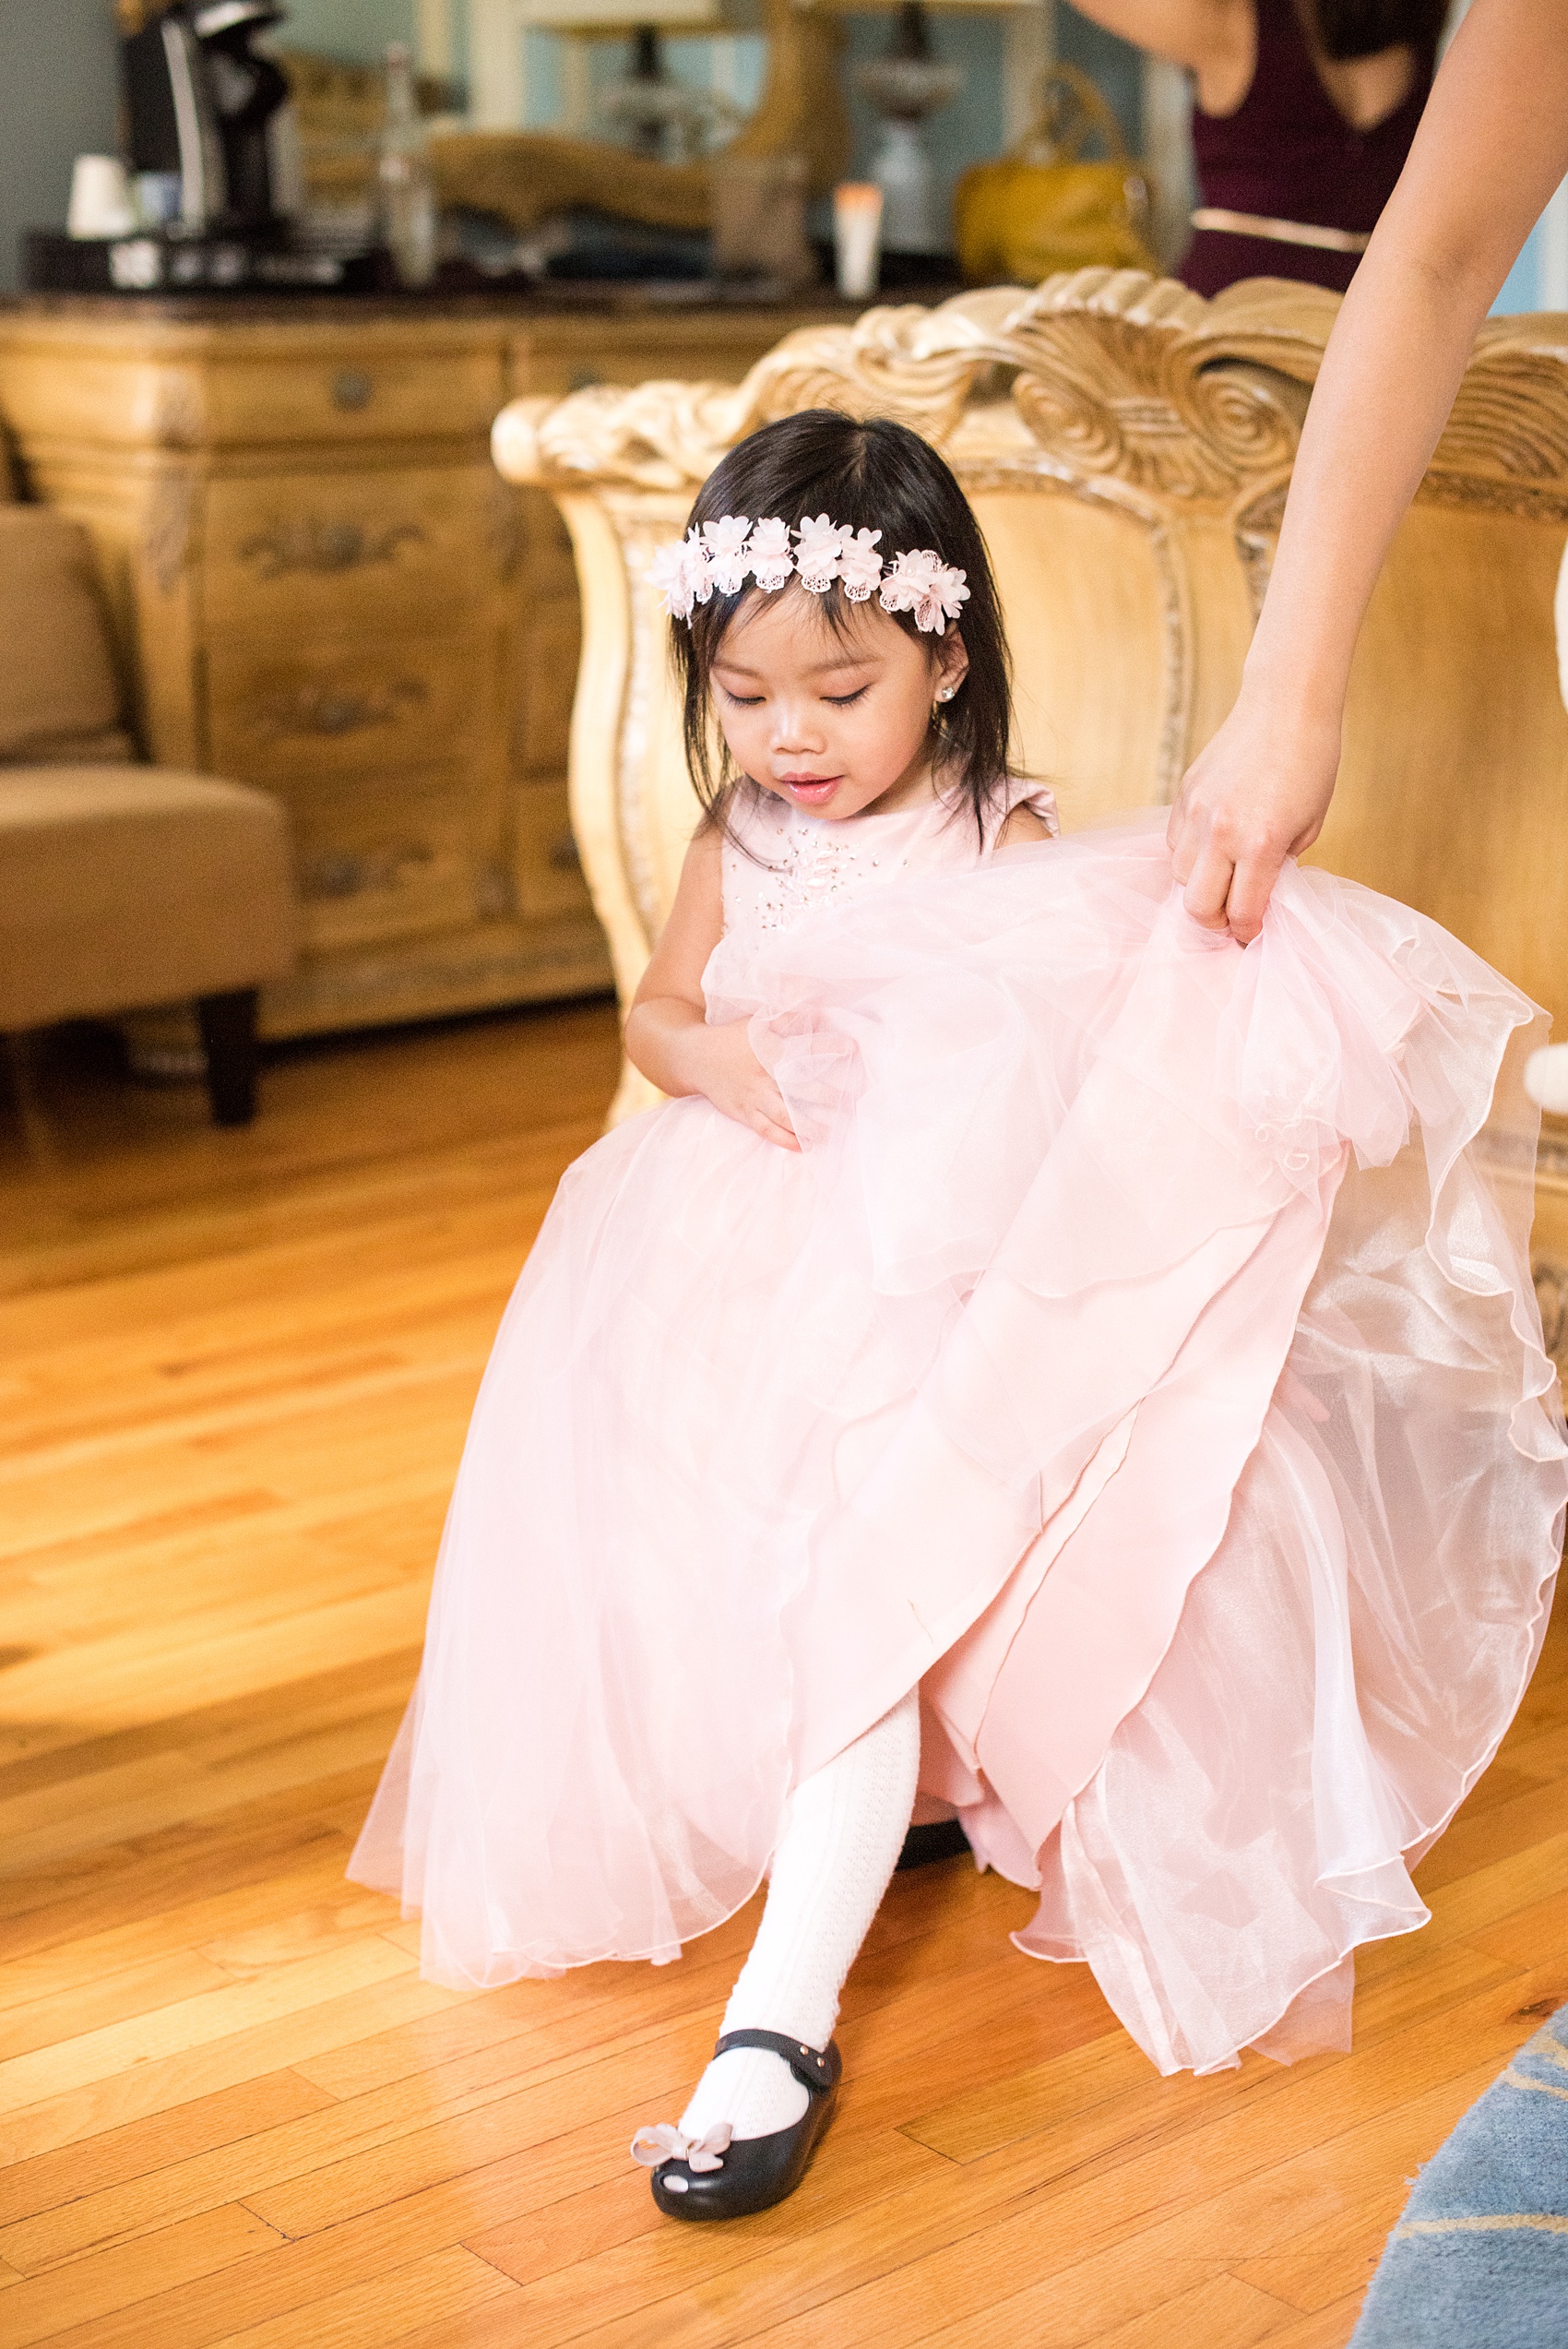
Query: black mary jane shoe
752, 2173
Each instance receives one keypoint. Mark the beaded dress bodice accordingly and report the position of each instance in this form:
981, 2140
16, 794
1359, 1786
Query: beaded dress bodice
798, 863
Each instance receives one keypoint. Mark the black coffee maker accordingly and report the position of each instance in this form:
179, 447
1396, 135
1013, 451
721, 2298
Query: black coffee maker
201, 105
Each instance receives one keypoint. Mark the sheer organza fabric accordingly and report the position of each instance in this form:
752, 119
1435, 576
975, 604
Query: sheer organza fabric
1140, 1356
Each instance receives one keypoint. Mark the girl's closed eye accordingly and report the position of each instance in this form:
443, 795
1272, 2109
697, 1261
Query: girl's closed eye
739, 689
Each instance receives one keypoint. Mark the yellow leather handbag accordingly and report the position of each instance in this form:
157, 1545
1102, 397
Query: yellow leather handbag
1040, 208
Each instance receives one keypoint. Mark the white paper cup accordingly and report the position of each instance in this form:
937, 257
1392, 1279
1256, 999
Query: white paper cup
857, 237
100, 198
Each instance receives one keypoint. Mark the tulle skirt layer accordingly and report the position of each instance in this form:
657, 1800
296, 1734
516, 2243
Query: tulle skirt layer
1140, 1356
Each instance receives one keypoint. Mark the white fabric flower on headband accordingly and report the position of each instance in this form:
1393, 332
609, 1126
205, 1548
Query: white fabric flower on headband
818, 545
725, 542
772, 562
721, 554
683, 574
920, 582
859, 565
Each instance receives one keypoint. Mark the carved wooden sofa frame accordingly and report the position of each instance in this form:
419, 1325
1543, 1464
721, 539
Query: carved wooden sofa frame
1127, 447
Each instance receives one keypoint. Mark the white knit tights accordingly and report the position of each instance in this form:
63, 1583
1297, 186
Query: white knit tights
842, 1840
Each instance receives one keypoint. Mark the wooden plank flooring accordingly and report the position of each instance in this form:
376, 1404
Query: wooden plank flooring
234, 1374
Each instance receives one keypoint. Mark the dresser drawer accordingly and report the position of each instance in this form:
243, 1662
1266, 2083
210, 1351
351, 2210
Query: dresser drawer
566, 353
378, 865
286, 717
319, 551
549, 876
351, 392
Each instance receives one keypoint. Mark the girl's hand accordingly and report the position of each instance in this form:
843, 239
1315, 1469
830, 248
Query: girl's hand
1255, 796
668, 1036
725, 1069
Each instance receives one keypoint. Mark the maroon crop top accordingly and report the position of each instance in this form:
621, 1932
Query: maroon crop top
1289, 153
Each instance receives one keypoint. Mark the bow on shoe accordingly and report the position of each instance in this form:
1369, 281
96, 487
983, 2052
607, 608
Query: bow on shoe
653, 2147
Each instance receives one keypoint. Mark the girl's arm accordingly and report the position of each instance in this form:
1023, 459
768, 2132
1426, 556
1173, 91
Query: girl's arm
1021, 828
1491, 147
668, 1035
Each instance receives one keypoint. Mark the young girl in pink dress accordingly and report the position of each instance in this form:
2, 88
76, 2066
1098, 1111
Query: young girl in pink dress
1044, 1356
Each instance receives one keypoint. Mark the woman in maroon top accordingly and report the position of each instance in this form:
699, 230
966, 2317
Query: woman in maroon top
1493, 146
1304, 114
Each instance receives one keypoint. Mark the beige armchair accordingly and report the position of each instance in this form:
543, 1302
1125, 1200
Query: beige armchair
1127, 447
121, 886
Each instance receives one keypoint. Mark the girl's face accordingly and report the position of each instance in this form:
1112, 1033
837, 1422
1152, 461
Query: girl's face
834, 723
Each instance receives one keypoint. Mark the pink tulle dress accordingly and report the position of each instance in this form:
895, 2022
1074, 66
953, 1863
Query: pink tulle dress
1140, 1356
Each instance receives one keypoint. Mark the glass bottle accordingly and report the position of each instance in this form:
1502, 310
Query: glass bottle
407, 192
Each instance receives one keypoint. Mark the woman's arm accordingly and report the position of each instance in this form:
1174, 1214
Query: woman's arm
668, 1035
1189, 32
1491, 147
1217, 40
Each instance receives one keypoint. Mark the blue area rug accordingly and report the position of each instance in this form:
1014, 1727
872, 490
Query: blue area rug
1479, 2259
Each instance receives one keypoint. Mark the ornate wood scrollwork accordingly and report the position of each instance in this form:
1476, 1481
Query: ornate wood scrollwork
323, 710
307, 542
1506, 443
1131, 386
340, 873
1116, 375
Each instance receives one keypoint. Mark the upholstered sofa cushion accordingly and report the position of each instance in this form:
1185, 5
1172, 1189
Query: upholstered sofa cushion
124, 886
60, 699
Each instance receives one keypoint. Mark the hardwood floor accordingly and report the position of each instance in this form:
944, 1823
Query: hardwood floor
235, 1372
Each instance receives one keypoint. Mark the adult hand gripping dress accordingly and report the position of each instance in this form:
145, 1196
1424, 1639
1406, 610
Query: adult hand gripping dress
1140, 1356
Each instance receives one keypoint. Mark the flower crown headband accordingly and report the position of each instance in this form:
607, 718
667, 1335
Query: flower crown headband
724, 554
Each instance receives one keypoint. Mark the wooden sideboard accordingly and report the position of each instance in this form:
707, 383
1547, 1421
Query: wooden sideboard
320, 584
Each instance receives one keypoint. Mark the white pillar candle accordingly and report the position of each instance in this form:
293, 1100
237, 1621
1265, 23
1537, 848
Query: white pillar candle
856, 236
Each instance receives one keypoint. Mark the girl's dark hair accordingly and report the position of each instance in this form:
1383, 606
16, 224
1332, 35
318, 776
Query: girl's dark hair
1361, 28
872, 476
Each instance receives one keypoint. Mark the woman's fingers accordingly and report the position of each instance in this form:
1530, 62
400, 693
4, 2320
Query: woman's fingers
1225, 892
1207, 892
1251, 886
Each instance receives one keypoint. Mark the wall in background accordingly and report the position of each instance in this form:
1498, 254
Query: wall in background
59, 97
1538, 279
356, 28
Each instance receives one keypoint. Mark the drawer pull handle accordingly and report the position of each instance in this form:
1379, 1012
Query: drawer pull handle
392, 864
318, 709
311, 544
352, 388
563, 854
